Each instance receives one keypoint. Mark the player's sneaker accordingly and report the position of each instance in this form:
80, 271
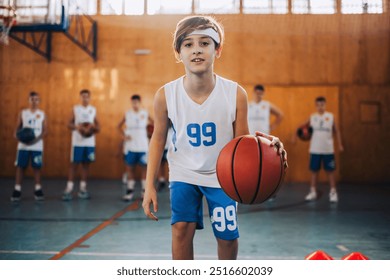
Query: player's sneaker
129, 195
38, 194
16, 195
83, 195
312, 195
67, 196
333, 197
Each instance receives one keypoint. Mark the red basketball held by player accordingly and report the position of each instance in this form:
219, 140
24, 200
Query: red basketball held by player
249, 170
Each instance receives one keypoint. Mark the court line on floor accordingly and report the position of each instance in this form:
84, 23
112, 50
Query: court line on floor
342, 248
142, 255
94, 231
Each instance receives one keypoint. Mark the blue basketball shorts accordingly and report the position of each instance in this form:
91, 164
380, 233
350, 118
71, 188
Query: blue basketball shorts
328, 162
133, 158
187, 206
23, 158
83, 154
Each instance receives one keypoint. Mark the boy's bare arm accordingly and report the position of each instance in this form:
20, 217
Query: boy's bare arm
156, 149
19, 124
337, 132
278, 114
96, 125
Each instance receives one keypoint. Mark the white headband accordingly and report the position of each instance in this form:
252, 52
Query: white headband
210, 32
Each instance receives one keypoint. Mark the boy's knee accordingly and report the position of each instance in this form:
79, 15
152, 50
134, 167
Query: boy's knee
227, 243
182, 230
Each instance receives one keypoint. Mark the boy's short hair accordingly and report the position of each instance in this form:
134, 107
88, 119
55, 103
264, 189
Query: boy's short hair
191, 23
33, 94
320, 99
85, 91
136, 97
259, 87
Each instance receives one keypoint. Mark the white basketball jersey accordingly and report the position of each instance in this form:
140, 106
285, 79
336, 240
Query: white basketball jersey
136, 123
259, 117
83, 115
199, 131
322, 138
33, 120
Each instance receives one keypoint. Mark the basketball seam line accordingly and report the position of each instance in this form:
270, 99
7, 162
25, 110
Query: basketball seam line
232, 165
260, 170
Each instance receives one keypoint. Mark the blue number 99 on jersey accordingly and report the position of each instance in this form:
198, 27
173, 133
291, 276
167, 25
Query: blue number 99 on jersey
205, 134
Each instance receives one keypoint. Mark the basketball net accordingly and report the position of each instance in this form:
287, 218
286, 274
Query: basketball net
8, 22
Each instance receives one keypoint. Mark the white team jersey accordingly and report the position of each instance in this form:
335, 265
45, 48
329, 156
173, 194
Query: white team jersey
33, 120
136, 123
259, 117
200, 131
322, 139
169, 138
83, 115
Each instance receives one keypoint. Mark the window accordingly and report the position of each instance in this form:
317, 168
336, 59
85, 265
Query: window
313, 6
29, 8
361, 6
169, 7
111, 7
87, 7
265, 6
134, 7
217, 6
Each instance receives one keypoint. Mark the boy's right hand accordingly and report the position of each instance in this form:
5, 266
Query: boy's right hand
150, 197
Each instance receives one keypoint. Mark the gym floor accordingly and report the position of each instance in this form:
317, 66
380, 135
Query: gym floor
107, 228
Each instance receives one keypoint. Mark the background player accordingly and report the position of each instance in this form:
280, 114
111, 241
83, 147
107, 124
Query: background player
206, 112
260, 111
322, 148
34, 118
136, 143
84, 124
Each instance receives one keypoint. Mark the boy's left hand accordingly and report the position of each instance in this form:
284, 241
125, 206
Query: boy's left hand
275, 141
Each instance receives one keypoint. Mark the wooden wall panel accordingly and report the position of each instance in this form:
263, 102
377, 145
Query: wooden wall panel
366, 144
297, 57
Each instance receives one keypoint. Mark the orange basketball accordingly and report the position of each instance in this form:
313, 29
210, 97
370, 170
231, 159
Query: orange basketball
87, 129
305, 132
249, 170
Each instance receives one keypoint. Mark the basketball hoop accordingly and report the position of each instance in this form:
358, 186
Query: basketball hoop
7, 20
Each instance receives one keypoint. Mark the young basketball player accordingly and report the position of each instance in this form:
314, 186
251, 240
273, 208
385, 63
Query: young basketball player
84, 124
322, 148
260, 111
136, 143
33, 118
206, 112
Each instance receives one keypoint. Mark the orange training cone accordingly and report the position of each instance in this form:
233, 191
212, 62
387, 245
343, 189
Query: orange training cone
318, 255
355, 256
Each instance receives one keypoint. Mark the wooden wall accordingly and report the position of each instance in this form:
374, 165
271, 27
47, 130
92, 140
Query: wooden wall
298, 57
